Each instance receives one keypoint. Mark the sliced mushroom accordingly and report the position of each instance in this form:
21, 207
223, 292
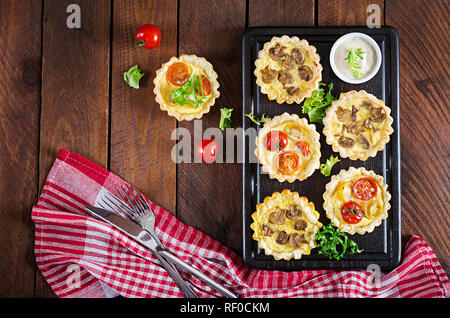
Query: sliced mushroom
285, 78
278, 217
367, 124
267, 231
305, 73
300, 225
296, 240
277, 52
292, 90
346, 142
298, 55
288, 62
366, 104
355, 128
294, 213
343, 114
268, 75
282, 237
363, 141
378, 116
354, 111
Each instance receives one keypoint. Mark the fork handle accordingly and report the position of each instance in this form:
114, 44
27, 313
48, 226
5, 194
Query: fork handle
187, 290
188, 268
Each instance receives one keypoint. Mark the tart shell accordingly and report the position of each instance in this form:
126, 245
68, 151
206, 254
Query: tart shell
196, 61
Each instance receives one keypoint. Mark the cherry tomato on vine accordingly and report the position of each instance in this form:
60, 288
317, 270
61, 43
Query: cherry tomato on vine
148, 36
351, 212
276, 140
206, 150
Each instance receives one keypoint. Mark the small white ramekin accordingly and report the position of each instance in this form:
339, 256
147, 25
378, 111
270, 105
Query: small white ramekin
372, 43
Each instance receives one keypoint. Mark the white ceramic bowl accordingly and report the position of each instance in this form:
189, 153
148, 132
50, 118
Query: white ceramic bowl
372, 43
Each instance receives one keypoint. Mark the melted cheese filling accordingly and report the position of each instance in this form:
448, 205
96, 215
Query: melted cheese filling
295, 134
371, 208
373, 135
276, 85
167, 89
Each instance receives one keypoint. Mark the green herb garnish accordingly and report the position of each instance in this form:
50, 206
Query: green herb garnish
133, 76
316, 105
225, 118
334, 243
325, 168
258, 122
190, 93
353, 59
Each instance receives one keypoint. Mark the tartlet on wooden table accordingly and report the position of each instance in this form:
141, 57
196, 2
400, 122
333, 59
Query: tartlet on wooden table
179, 72
285, 225
288, 69
357, 125
356, 200
288, 148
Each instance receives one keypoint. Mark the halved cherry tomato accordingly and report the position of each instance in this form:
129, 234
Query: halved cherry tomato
206, 150
276, 140
365, 189
178, 74
148, 36
205, 89
287, 162
351, 212
304, 148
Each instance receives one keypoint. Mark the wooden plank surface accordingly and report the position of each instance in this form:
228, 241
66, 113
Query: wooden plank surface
209, 195
140, 131
425, 135
281, 13
75, 87
347, 12
20, 86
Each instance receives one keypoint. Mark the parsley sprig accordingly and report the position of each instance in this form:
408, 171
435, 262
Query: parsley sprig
325, 168
334, 243
258, 122
316, 105
190, 92
225, 118
354, 57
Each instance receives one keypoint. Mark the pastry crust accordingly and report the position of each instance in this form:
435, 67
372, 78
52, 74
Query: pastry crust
332, 203
312, 60
310, 135
160, 81
332, 130
309, 217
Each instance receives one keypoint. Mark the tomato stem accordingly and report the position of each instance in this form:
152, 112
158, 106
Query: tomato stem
141, 43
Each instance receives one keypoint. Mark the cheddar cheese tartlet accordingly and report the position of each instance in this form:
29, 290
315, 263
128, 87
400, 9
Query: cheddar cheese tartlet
357, 125
356, 200
288, 69
288, 148
285, 225
186, 87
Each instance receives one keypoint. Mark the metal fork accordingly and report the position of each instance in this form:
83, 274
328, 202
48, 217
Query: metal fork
140, 211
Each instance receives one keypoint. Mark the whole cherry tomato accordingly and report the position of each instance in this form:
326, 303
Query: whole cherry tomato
351, 212
148, 36
276, 140
206, 150
364, 189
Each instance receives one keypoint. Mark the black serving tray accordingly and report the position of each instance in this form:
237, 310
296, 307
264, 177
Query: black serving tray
381, 247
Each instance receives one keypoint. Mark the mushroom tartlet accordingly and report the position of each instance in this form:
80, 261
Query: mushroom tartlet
288, 148
186, 87
356, 200
357, 125
288, 69
285, 225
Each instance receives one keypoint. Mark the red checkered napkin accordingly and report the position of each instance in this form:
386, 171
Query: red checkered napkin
83, 257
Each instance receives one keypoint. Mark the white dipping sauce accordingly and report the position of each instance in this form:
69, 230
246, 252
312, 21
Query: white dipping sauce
367, 63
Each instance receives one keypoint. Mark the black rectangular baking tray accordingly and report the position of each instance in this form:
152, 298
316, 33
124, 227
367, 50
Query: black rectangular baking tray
381, 247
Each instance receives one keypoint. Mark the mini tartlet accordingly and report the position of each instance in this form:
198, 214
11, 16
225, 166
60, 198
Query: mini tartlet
288, 148
356, 200
285, 225
186, 87
357, 125
288, 69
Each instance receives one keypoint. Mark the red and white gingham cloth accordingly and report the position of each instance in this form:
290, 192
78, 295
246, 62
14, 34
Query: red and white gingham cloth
82, 257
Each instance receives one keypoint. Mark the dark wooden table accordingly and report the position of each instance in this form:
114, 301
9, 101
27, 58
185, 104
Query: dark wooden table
62, 87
